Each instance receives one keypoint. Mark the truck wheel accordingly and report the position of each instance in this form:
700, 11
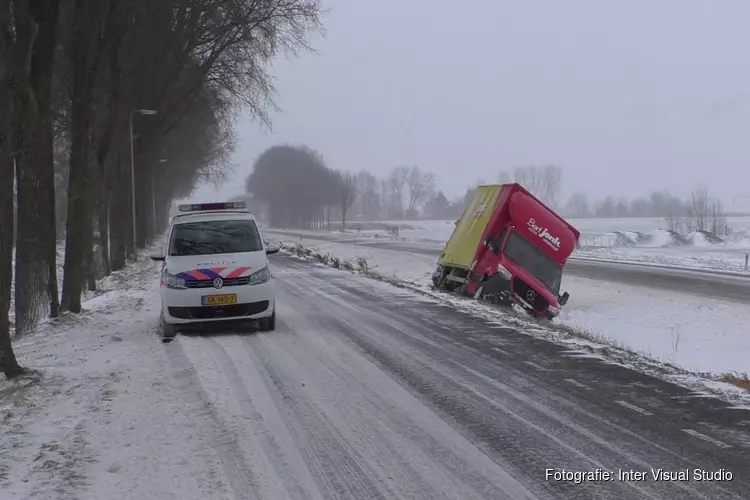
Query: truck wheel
438, 278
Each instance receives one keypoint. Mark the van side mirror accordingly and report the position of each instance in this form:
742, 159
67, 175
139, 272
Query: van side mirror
564, 298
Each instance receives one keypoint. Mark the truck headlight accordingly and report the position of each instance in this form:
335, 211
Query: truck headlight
172, 281
260, 276
553, 311
502, 271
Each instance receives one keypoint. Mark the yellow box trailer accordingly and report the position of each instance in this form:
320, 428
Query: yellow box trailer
462, 246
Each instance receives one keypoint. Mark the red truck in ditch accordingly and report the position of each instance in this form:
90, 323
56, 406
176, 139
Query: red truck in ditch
508, 247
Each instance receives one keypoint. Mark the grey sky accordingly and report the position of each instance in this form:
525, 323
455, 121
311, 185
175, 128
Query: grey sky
626, 96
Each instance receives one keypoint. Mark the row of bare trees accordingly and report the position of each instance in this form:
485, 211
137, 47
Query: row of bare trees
295, 188
89, 88
698, 212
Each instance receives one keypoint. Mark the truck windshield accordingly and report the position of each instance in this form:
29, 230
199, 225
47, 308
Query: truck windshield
528, 256
215, 237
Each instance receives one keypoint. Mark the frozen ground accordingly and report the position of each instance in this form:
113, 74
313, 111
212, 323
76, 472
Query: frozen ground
697, 334
364, 391
643, 240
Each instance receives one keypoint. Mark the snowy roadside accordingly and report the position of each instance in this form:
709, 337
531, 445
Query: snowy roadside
60, 268
87, 422
713, 257
688, 340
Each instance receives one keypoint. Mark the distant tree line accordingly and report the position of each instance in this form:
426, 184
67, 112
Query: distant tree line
76, 78
292, 186
697, 212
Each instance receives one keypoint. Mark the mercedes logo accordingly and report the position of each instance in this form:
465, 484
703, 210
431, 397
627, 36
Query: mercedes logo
530, 294
218, 283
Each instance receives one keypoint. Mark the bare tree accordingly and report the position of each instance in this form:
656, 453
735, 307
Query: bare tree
346, 188
504, 177
718, 218
551, 185
699, 207
543, 182
295, 185
578, 205
396, 184
421, 186
367, 194
8, 363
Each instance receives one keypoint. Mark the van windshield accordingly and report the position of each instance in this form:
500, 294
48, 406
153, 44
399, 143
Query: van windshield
524, 253
215, 237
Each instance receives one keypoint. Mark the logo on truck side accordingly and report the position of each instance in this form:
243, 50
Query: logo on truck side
543, 233
480, 209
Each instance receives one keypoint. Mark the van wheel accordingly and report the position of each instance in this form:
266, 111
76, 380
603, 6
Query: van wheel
268, 324
168, 331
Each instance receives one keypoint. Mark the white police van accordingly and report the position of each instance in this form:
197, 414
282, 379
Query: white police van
215, 269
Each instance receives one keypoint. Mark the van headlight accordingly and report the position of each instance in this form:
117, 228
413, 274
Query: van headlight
261, 276
172, 281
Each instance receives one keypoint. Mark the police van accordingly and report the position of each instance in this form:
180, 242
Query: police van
215, 268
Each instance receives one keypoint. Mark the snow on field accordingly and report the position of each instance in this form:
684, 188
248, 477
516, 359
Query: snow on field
640, 240
697, 334
92, 426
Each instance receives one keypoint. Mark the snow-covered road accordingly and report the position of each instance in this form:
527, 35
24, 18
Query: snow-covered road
364, 391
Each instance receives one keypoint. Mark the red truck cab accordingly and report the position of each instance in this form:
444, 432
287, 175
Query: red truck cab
520, 255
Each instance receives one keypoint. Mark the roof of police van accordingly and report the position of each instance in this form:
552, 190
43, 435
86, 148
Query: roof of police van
182, 218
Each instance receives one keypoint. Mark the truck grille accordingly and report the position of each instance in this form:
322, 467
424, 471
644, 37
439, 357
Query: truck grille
521, 288
210, 283
216, 312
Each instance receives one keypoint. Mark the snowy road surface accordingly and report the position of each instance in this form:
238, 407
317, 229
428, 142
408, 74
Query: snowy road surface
364, 391
702, 283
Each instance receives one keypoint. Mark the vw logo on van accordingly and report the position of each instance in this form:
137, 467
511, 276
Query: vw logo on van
218, 283
531, 295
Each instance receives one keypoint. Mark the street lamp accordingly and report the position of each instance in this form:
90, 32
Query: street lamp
153, 196
132, 169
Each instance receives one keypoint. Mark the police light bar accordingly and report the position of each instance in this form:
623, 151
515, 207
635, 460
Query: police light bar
206, 207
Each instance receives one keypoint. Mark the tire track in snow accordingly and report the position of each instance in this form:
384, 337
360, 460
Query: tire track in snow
279, 459
187, 383
378, 322
406, 445
339, 469
420, 444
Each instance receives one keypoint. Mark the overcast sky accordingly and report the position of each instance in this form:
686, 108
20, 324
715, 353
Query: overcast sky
626, 96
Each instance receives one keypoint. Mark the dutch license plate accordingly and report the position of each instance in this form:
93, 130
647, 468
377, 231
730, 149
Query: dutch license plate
219, 300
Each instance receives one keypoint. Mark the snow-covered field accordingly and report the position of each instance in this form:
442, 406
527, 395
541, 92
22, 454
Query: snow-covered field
697, 334
643, 240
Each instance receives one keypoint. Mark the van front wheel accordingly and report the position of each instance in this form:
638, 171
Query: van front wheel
268, 324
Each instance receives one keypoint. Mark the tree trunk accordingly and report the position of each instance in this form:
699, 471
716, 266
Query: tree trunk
79, 228
103, 227
8, 363
120, 227
36, 255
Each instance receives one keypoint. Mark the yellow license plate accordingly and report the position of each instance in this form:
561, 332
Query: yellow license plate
219, 300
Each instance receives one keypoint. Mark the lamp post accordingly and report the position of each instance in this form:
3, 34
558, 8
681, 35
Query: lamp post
153, 196
132, 170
